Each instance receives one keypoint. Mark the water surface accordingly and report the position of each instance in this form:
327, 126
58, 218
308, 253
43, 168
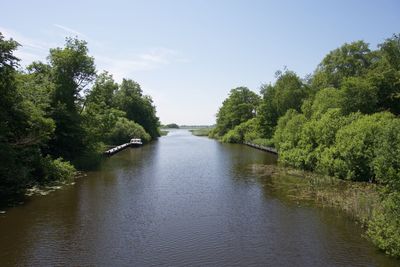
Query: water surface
180, 201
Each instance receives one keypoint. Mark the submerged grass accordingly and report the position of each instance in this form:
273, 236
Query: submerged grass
358, 200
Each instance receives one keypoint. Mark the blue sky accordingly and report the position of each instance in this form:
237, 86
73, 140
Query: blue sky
188, 54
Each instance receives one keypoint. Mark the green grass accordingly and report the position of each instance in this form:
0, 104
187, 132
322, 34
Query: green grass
201, 131
357, 199
163, 132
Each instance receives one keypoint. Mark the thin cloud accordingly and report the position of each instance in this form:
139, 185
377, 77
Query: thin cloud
31, 49
73, 33
69, 30
153, 59
160, 55
24, 40
120, 66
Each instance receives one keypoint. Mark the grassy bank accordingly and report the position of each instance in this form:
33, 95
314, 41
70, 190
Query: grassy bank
201, 131
373, 206
358, 200
164, 132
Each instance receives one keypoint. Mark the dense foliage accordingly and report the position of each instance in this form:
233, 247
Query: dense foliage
239, 107
171, 126
59, 115
341, 121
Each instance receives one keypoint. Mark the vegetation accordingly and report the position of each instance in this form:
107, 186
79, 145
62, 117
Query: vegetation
342, 122
57, 116
205, 131
239, 107
163, 132
358, 200
171, 126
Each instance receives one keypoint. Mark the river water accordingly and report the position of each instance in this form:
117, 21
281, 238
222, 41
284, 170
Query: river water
180, 201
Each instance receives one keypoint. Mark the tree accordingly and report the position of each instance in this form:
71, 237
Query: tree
246, 131
12, 173
324, 100
239, 107
24, 126
138, 107
287, 93
358, 94
172, 126
384, 74
124, 130
349, 60
72, 70
357, 144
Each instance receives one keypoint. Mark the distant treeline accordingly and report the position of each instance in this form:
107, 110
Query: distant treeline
58, 115
170, 126
341, 121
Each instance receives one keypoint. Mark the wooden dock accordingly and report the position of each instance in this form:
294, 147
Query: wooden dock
132, 143
264, 148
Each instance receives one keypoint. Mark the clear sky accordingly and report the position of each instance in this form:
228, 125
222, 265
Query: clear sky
188, 54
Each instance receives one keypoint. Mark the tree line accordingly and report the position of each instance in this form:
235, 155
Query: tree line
341, 121
58, 116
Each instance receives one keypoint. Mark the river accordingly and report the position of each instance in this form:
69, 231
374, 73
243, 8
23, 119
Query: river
180, 201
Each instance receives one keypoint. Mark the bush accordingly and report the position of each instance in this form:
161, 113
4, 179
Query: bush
55, 170
357, 145
384, 227
386, 164
263, 142
246, 131
287, 137
91, 157
324, 100
232, 136
124, 130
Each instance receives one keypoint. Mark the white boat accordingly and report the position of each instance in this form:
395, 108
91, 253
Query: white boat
136, 141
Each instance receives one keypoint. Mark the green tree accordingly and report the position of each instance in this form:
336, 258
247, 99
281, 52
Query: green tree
246, 131
349, 60
12, 172
24, 126
357, 145
324, 100
138, 107
239, 107
385, 75
287, 138
287, 93
99, 115
358, 94
124, 130
72, 71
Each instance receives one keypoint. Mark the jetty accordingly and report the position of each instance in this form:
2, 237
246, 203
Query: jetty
133, 143
264, 148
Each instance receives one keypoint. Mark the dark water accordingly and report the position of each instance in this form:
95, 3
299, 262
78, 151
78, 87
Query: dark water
181, 201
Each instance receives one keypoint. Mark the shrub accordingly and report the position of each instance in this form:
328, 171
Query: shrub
386, 164
264, 142
357, 144
287, 139
246, 131
384, 227
55, 170
124, 130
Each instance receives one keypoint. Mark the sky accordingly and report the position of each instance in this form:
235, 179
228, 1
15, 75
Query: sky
189, 54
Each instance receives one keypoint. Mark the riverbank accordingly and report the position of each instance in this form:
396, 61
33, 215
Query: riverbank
358, 200
370, 205
40, 190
